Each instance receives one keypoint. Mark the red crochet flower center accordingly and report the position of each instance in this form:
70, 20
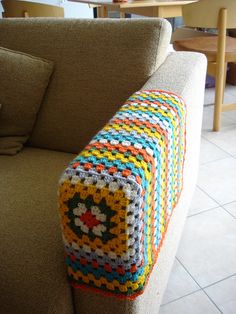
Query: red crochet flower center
89, 219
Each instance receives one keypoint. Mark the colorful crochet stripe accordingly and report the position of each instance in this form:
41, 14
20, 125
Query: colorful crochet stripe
117, 195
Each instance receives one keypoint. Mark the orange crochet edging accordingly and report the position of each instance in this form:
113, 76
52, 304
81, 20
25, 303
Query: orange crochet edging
139, 157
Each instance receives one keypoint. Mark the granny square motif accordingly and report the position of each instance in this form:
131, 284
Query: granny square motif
117, 196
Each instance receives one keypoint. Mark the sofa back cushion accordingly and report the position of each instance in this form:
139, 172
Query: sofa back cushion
98, 64
23, 81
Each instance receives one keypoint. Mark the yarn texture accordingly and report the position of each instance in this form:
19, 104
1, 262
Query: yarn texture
117, 196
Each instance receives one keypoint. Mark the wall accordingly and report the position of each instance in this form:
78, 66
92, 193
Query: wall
72, 9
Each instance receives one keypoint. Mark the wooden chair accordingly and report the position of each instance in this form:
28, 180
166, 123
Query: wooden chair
16, 8
219, 50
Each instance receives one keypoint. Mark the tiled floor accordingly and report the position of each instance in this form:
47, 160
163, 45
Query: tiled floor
203, 278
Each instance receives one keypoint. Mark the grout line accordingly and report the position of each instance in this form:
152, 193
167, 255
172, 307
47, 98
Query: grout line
214, 160
186, 295
223, 206
212, 301
229, 203
229, 154
199, 285
228, 212
215, 283
188, 272
200, 288
217, 159
208, 162
208, 105
203, 211
215, 207
205, 132
217, 146
220, 205
209, 195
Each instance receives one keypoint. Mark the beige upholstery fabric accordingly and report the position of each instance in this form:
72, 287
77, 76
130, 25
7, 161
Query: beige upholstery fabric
32, 268
23, 80
97, 68
184, 74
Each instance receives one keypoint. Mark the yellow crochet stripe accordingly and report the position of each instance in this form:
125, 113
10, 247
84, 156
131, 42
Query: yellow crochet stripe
164, 98
127, 128
110, 284
163, 113
118, 156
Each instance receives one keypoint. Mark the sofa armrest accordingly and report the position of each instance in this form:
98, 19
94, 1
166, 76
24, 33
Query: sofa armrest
181, 73
184, 74
118, 194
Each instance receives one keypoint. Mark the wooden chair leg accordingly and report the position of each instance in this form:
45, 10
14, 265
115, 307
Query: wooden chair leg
220, 68
219, 97
122, 15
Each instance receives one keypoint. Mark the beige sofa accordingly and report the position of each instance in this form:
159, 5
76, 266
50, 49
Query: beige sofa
98, 64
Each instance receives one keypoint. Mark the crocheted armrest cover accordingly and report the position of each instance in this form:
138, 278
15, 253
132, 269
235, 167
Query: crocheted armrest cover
117, 195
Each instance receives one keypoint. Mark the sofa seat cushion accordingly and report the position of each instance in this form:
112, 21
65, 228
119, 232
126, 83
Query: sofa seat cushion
32, 271
23, 81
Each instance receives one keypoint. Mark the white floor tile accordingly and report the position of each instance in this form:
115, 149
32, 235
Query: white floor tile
207, 120
210, 152
208, 246
218, 179
231, 208
231, 89
209, 96
224, 295
230, 114
229, 96
200, 202
180, 284
225, 138
196, 303
227, 117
